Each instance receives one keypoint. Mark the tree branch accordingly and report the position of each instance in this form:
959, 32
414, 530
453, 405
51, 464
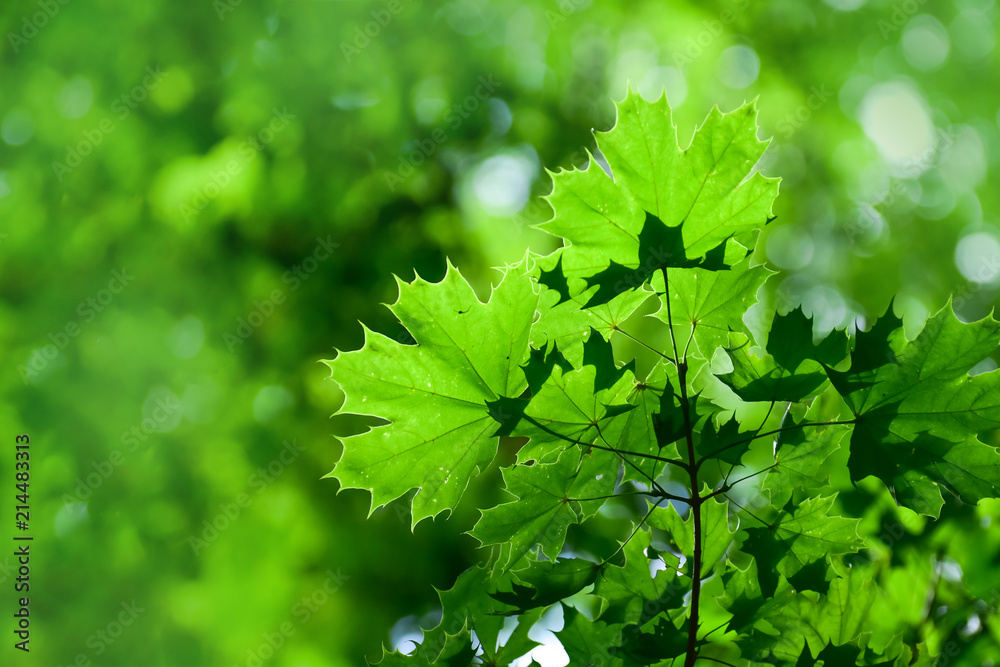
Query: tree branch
692, 640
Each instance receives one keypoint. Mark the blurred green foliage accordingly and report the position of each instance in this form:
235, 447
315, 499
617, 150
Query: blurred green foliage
215, 152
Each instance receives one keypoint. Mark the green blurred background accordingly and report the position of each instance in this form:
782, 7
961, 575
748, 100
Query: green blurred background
199, 201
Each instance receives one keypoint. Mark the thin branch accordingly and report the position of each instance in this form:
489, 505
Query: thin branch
727, 486
577, 441
754, 516
665, 496
692, 640
609, 448
757, 432
653, 457
661, 491
670, 496
721, 662
613, 495
756, 435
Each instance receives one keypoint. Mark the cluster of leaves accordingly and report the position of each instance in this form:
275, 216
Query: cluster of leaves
649, 407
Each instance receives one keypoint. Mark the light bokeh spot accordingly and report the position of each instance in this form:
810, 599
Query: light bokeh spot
977, 256
75, 98
896, 119
738, 66
925, 43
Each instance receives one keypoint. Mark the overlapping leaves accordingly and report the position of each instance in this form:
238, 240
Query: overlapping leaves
721, 452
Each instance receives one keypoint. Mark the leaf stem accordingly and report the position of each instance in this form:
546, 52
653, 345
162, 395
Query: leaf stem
654, 457
729, 485
721, 662
726, 483
691, 655
670, 319
655, 494
652, 481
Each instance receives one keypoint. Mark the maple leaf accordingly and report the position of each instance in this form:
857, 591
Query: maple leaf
681, 488
918, 413
434, 393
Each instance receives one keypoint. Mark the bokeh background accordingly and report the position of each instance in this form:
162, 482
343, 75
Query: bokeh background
199, 201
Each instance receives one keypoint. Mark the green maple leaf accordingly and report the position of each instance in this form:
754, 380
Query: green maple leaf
797, 538
844, 616
716, 536
825, 623
450, 650
662, 206
791, 341
718, 441
550, 498
652, 428
618, 366
741, 596
706, 188
567, 409
811, 532
918, 412
472, 602
758, 377
707, 305
566, 321
543, 583
661, 247
798, 463
630, 591
589, 642
434, 393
